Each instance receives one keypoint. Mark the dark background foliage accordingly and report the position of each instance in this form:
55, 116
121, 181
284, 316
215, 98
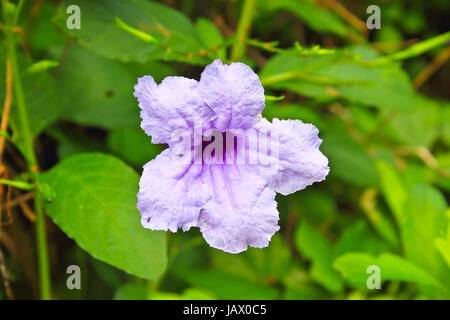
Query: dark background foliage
379, 98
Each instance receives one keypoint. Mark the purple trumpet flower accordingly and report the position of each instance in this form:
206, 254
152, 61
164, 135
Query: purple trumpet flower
213, 183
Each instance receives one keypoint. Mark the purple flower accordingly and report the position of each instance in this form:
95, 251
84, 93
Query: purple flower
233, 203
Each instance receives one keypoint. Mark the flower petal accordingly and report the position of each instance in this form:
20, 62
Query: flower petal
234, 92
171, 193
300, 162
174, 104
243, 211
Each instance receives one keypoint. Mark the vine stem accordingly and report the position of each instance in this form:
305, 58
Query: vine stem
43, 262
243, 29
415, 50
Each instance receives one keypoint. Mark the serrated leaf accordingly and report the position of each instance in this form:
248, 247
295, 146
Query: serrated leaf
95, 204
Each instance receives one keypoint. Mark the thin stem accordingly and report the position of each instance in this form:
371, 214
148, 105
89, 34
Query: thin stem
17, 184
416, 49
17, 13
44, 270
243, 29
6, 106
426, 73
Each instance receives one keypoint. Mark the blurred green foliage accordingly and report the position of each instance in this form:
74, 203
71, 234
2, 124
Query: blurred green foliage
387, 140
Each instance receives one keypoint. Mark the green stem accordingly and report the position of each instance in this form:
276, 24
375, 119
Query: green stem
44, 270
43, 261
416, 49
17, 13
17, 184
243, 29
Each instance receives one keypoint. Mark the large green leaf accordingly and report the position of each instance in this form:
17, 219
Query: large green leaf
353, 267
95, 205
316, 248
176, 37
95, 91
425, 221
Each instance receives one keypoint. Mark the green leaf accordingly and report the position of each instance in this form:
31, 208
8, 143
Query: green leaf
425, 220
225, 285
42, 66
211, 37
335, 76
134, 291
317, 206
353, 267
173, 37
359, 238
43, 106
135, 32
393, 189
131, 291
95, 91
72, 141
300, 287
293, 111
132, 145
95, 204
316, 17
443, 246
317, 249
419, 125
380, 222
45, 36
445, 113
261, 266
347, 157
